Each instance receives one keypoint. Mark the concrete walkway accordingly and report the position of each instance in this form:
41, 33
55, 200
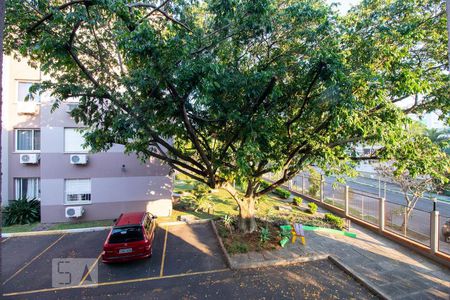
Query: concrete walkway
392, 269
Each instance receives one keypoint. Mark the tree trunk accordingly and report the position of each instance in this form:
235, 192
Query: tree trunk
247, 222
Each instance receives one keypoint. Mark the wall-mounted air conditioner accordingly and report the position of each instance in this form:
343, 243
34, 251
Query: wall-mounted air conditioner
29, 158
70, 107
27, 108
78, 159
74, 211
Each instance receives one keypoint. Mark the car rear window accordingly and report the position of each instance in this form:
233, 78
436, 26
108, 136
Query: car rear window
126, 234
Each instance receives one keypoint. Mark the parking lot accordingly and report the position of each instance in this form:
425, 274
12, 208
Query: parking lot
186, 263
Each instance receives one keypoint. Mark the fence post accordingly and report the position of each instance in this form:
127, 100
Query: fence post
346, 201
434, 243
381, 213
322, 185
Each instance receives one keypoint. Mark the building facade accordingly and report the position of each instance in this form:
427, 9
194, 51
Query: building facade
43, 158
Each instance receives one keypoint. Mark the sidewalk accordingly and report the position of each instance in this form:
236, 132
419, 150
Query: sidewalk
395, 271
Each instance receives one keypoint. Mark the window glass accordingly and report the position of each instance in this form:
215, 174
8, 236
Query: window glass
28, 139
73, 140
77, 190
27, 188
24, 95
126, 234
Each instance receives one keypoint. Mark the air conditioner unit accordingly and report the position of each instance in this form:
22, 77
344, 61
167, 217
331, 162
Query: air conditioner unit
29, 158
70, 107
78, 159
27, 108
74, 211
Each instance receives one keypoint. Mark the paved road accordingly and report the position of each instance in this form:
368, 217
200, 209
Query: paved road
187, 263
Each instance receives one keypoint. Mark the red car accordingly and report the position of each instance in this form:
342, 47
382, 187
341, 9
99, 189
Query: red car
130, 238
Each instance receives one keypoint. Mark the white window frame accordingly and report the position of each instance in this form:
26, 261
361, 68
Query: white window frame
16, 137
64, 141
36, 98
79, 202
16, 179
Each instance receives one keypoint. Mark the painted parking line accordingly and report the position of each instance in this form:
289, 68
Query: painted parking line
114, 282
161, 273
33, 259
5, 239
90, 269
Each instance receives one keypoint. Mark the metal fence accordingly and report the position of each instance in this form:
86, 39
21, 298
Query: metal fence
364, 207
414, 224
334, 194
444, 234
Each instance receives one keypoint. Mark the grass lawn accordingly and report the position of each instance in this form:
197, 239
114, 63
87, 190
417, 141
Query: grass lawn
56, 226
19, 228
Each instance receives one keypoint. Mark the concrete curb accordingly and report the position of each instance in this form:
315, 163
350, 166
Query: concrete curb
50, 232
373, 288
174, 223
224, 251
278, 262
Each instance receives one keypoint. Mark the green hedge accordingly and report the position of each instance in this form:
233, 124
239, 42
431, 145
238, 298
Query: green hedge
298, 201
22, 211
282, 193
334, 220
312, 207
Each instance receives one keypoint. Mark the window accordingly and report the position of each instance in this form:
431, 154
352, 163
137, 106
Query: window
24, 95
26, 188
28, 140
73, 140
77, 191
126, 234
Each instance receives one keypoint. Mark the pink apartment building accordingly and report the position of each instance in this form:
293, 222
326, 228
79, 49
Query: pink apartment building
43, 158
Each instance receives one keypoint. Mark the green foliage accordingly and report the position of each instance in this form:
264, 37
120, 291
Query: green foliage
22, 211
334, 220
263, 184
228, 222
201, 200
243, 88
237, 247
298, 201
314, 182
312, 207
264, 236
282, 193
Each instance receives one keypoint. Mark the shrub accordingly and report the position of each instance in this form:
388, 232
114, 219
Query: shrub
263, 184
282, 193
22, 211
237, 247
312, 207
228, 222
264, 236
298, 201
334, 220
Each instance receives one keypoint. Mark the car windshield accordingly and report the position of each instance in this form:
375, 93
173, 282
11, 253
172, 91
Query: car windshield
126, 234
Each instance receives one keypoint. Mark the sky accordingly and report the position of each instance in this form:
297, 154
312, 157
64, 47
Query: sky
344, 5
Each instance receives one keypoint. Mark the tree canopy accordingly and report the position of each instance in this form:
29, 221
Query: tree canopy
225, 90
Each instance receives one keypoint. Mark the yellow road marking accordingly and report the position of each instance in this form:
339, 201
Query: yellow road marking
34, 258
163, 255
114, 282
5, 239
90, 270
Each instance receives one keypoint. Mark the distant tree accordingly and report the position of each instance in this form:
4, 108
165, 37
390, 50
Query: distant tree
413, 188
227, 91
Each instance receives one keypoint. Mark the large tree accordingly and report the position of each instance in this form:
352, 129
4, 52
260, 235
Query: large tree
225, 90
